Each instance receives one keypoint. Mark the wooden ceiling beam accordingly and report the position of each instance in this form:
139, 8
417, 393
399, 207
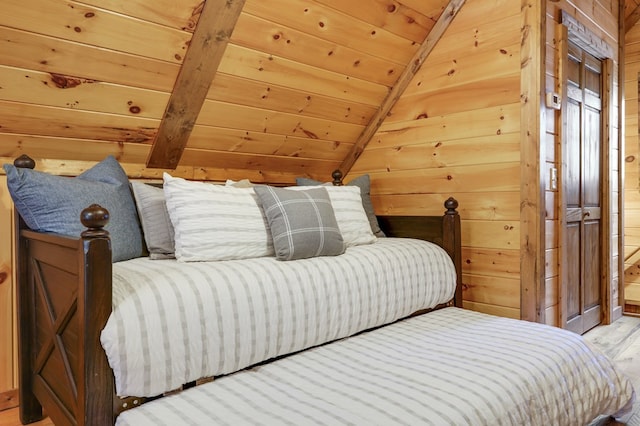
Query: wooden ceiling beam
402, 83
203, 56
632, 18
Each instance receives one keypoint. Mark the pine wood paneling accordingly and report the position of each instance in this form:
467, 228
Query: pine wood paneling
252, 64
89, 25
492, 309
473, 205
491, 290
491, 234
31, 51
13, 145
139, 171
35, 87
262, 120
486, 64
444, 101
632, 151
403, 81
257, 142
242, 161
455, 131
243, 91
256, 33
308, 76
332, 25
181, 14
503, 148
459, 125
7, 301
394, 17
65, 122
491, 262
448, 180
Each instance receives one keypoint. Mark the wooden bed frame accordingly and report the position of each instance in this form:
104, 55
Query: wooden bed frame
64, 301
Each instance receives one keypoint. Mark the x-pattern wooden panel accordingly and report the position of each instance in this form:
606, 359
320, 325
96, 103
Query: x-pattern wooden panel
54, 321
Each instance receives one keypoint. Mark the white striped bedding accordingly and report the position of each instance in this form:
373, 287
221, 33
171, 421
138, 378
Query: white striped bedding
448, 367
173, 323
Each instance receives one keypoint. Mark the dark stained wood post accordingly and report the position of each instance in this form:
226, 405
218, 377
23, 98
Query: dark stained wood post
30, 407
96, 386
453, 244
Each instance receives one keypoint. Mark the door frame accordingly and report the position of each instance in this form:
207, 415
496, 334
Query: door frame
572, 30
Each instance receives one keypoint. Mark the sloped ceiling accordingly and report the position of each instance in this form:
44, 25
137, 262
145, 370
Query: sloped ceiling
631, 13
268, 89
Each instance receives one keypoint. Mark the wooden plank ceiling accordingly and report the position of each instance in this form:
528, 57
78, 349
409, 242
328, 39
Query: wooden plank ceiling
631, 13
268, 90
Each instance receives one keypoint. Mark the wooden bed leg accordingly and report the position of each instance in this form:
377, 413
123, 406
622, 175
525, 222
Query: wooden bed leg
30, 408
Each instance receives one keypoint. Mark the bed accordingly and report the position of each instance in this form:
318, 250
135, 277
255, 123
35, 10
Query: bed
329, 350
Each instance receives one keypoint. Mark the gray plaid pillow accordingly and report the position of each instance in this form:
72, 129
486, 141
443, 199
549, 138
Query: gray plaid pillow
302, 223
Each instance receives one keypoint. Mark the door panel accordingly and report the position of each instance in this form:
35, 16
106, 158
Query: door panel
591, 168
572, 169
572, 301
582, 193
592, 265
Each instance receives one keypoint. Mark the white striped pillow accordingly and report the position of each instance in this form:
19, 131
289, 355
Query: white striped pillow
347, 206
215, 222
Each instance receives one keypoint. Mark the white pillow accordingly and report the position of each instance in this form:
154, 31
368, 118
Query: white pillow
347, 206
244, 183
215, 222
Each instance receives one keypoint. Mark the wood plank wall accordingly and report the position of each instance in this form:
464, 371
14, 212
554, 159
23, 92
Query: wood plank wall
631, 174
8, 370
296, 86
456, 132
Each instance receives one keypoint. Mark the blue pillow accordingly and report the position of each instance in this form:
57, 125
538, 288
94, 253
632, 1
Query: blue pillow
49, 203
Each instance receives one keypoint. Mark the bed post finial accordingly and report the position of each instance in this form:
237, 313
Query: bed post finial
24, 162
337, 177
95, 218
451, 205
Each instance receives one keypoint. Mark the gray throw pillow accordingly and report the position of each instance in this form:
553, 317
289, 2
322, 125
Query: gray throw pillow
364, 183
302, 223
50, 203
154, 217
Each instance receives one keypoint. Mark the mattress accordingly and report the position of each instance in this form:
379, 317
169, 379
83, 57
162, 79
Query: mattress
448, 367
173, 322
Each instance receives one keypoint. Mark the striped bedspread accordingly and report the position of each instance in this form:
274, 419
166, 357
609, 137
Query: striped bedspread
173, 323
448, 367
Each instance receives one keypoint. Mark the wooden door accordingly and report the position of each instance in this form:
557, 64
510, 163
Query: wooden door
582, 189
